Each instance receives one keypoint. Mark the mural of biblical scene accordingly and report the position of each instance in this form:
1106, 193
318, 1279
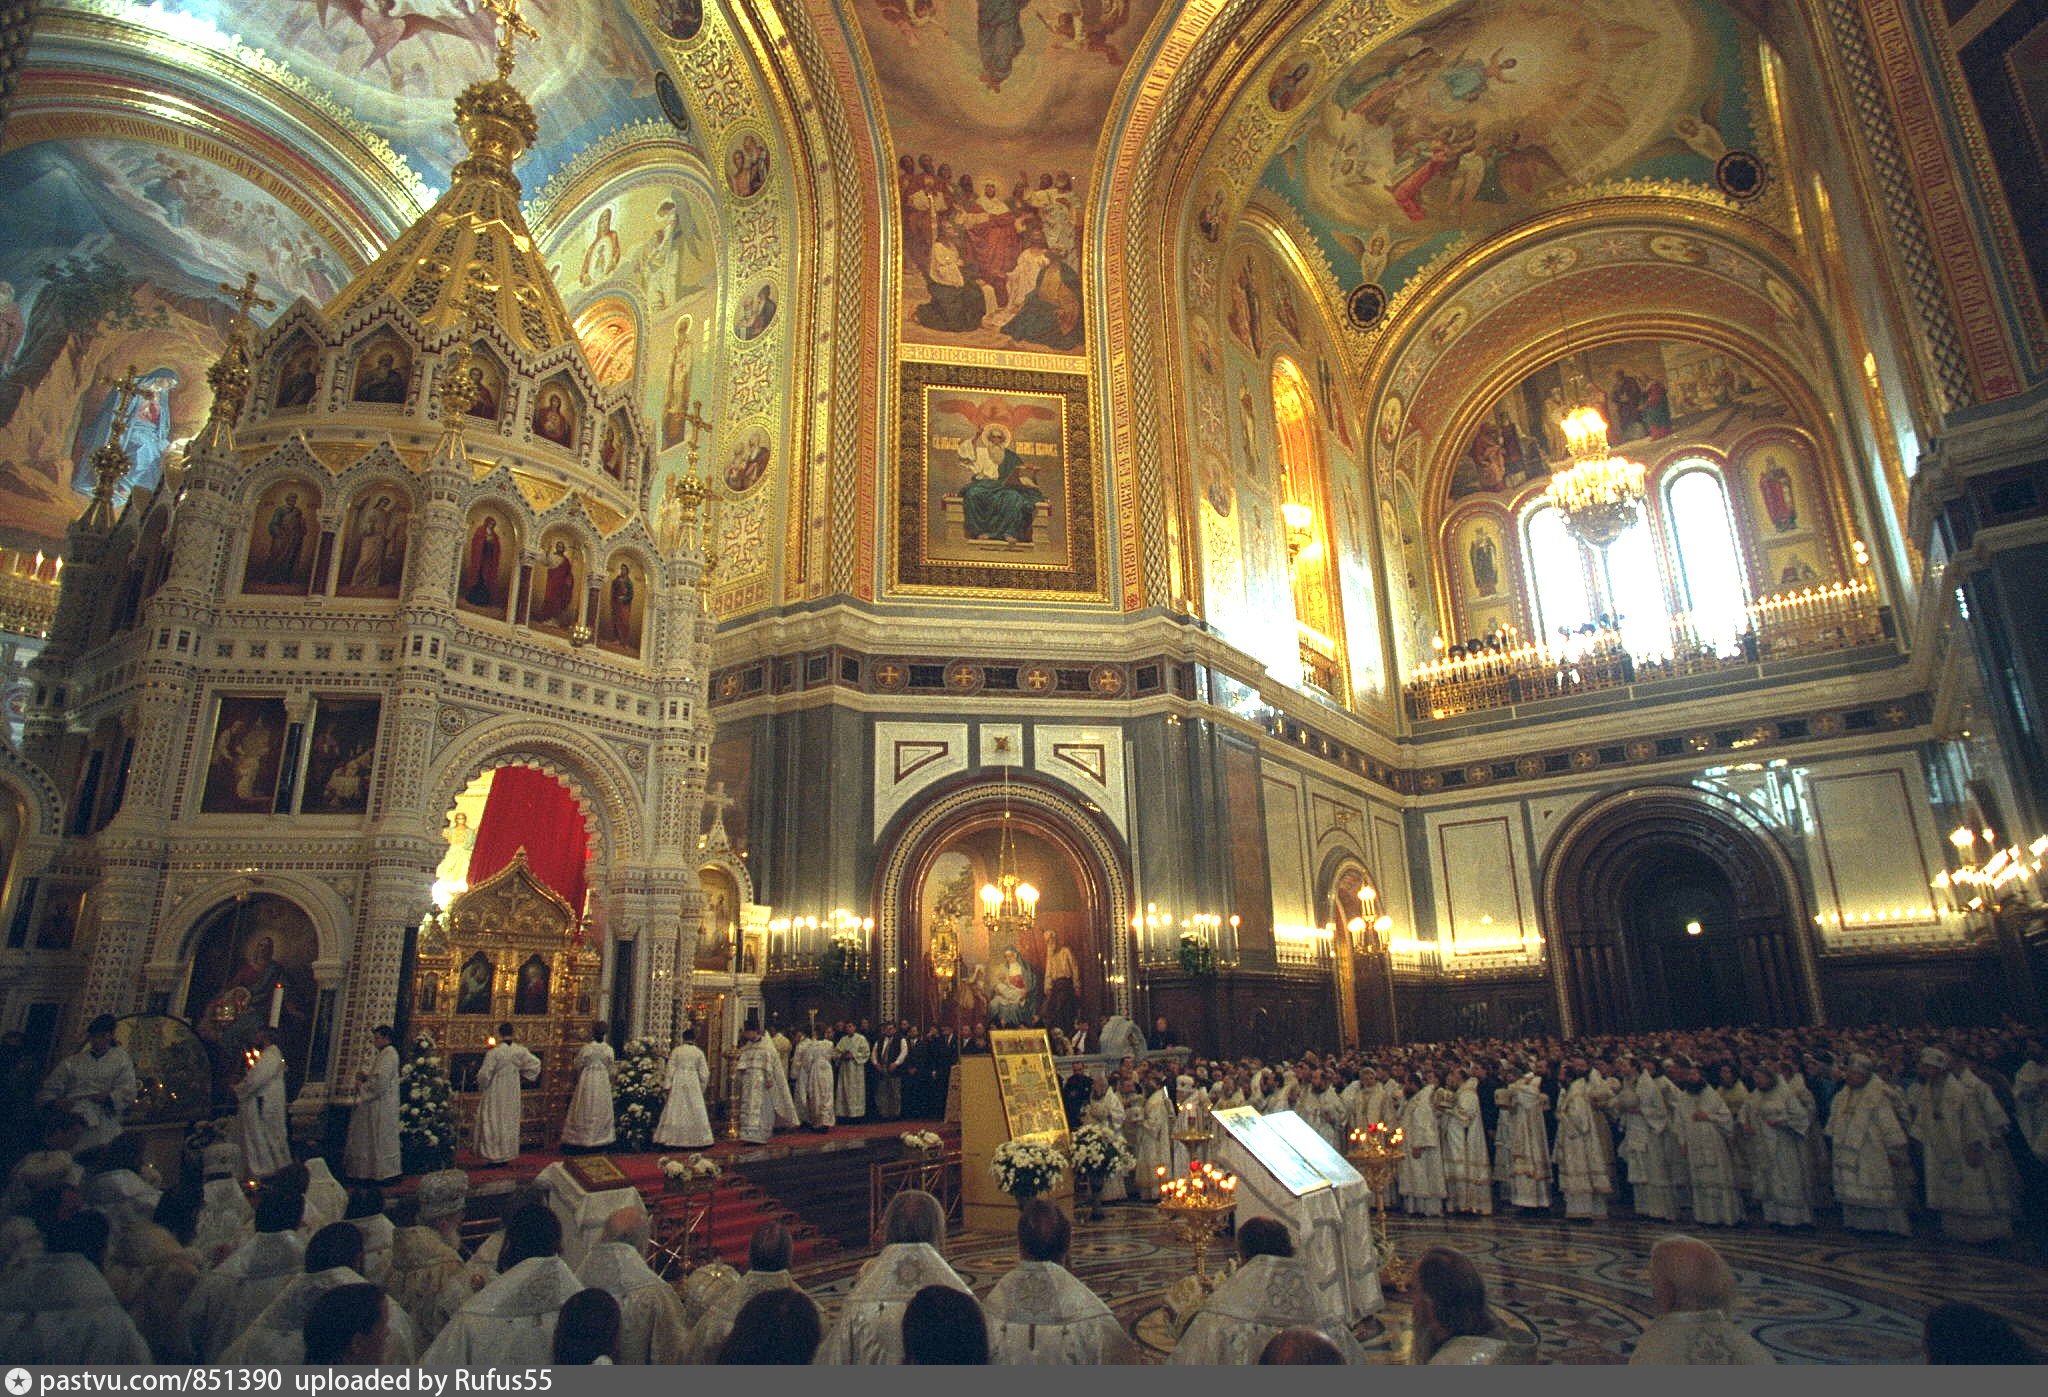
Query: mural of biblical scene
252, 965
383, 372
715, 941
556, 604
622, 606
284, 535
343, 750
247, 756
1796, 565
1049, 972
1244, 282
996, 108
398, 64
554, 413
994, 478
111, 256
373, 543
298, 374
488, 562
1464, 124
1657, 396
1407, 549
679, 19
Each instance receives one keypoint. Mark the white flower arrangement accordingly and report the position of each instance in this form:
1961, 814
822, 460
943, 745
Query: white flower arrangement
639, 1092
1025, 1168
1100, 1153
426, 1108
694, 1166
921, 1140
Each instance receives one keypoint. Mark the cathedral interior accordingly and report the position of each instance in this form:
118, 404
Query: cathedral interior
1328, 522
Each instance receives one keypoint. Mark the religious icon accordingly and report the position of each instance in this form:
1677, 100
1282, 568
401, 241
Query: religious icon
756, 313
620, 617
557, 595
252, 967
1284, 309
675, 402
343, 750
747, 167
486, 582
383, 373
1780, 501
715, 939
1244, 314
298, 376
473, 988
553, 418
748, 463
487, 389
679, 19
611, 447
1291, 83
144, 434
530, 996
373, 544
248, 751
59, 925
283, 539
601, 256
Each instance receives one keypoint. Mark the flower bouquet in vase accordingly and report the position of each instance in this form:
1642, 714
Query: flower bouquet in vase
1099, 1155
1026, 1168
689, 1174
922, 1144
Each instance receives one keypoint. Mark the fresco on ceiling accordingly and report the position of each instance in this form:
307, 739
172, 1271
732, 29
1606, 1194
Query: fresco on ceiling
1468, 123
111, 254
399, 64
1657, 395
649, 250
996, 106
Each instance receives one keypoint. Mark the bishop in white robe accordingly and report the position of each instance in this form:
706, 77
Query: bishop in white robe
852, 1053
1645, 1114
326, 1199
428, 1278
232, 1294
1961, 1130
711, 1331
1153, 1141
56, 1308
260, 1114
1704, 1131
810, 1067
97, 1084
1776, 1118
652, 1329
684, 1123
1581, 1164
2030, 1100
592, 1121
497, 1115
1526, 1142
1468, 1170
372, 1148
277, 1336
1869, 1137
757, 1075
1421, 1170
1259, 1299
225, 1218
510, 1323
869, 1329
1040, 1314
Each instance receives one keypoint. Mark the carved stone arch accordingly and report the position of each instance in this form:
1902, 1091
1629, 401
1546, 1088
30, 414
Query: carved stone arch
912, 837
332, 921
1599, 976
607, 793
40, 799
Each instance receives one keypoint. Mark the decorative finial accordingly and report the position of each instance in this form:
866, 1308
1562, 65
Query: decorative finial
229, 375
109, 462
457, 393
511, 26
245, 296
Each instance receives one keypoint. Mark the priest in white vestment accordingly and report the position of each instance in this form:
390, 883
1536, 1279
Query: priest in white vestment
1152, 1139
1868, 1133
259, 1113
57, 1308
1705, 1131
277, 1336
1776, 1120
1106, 1109
869, 1329
592, 1122
769, 1252
1421, 1171
851, 1053
372, 1149
651, 1330
1961, 1130
1452, 1325
757, 1081
497, 1114
810, 1070
1525, 1141
1468, 1169
684, 1123
326, 1199
1581, 1163
1693, 1292
1645, 1115
1039, 1313
510, 1323
366, 1215
233, 1293
2030, 1099
122, 1195
1272, 1289
96, 1084
225, 1218
428, 1278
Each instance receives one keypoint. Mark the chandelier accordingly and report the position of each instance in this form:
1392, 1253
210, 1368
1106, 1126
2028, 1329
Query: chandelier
1009, 905
1599, 495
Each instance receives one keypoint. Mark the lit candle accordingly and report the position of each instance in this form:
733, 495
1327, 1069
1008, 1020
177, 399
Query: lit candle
276, 1004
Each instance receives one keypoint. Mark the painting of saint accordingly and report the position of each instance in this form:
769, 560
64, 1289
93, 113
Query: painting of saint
553, 418
530, 995
748, 463
59, 925
621, 615
679, 19
601, 254
487, 388
1013, 991
1775, 467
144, 434
252, 965
557, 602
746, 172
298, 376
383, 374
1483, 553
1288, 86
611, 447
486, 567
248, 750
1284, 309
373, 544
283, 537
676, 409
343, 750
1062, 984
1243, 316
756, 313
1000, 495
473, 988
721, 919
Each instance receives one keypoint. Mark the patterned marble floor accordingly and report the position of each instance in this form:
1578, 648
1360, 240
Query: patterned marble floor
1581, 1290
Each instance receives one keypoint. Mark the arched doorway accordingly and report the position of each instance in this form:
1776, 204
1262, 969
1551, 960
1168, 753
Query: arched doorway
950, 962
1666, 908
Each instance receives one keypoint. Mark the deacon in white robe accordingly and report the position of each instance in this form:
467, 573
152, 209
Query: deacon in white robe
652, 1330
1705, 1130
428, 1278
852, 1053
1776, 1119
592, 1121
1868, 1133
685, 1124
372, 1149
259, 1115
769, 1252
1039, 1314
1581, 1165
233, 1293
56, 1307
810, 1067
96, 1084
1961, 1130
510, 1323
869, 1329
1263, 1296
757, 1075
1526, 1142
1421, 1171
1645, 1114
1152, 1140
1468, 1172
497, 1115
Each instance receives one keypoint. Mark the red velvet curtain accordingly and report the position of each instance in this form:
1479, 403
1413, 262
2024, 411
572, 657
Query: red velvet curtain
532, 810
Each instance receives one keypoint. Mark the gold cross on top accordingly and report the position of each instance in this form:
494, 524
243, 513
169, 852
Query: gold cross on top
127, 389
245, 296
511, 26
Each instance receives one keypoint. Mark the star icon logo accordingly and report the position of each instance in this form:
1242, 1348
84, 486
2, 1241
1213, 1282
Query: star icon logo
18, 1381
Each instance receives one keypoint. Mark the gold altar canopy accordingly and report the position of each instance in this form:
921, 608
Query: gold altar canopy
511, 950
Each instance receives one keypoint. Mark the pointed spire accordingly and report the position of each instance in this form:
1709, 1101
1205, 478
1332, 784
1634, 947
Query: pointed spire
109, 462
229, 374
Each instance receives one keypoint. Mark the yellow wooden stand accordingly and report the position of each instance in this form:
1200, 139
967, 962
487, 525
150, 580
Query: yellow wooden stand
986, 1122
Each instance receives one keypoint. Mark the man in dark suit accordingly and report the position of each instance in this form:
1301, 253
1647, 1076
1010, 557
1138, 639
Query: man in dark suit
945, 1051
1074, 1094
1163, 1035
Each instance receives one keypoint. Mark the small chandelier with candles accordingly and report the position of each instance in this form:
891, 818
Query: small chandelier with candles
1009, 905
1599, 494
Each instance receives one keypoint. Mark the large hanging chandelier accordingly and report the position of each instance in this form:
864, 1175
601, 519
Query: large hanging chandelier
1600, 494
1009, 905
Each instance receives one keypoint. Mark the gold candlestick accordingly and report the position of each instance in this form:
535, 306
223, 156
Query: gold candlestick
1194, 1208
1377, 1152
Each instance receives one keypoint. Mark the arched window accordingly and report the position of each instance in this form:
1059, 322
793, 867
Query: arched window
1566, 582
1557, 574
1305, 507
1710, 574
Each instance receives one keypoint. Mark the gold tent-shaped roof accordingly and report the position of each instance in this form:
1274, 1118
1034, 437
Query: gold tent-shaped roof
470, 255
